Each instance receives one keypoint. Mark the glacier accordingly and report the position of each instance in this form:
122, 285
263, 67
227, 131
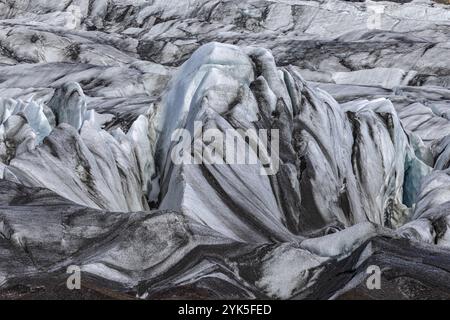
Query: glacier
91, 92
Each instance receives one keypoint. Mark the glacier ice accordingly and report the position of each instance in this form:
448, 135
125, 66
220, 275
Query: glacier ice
91, 92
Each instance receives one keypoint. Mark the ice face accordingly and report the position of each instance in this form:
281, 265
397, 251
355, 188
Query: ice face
33, 112
340, 165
